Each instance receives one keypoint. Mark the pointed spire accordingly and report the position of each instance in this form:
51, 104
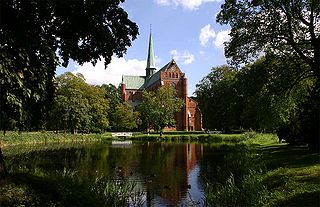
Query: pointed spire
150, 60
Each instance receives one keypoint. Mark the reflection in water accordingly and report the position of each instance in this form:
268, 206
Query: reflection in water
170, 174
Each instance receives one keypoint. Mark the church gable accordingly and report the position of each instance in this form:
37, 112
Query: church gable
172, 71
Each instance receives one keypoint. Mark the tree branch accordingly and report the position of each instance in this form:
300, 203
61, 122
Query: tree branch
291, 39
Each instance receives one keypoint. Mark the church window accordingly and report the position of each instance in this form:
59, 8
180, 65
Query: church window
177, 75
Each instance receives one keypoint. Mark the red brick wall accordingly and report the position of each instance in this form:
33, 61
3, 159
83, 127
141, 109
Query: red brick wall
173, 77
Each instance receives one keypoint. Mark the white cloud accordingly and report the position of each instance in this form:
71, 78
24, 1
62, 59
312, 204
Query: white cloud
97, 75
186, 4
218, 39
206, 33
185, 57
157, 60
163, 2
221, 38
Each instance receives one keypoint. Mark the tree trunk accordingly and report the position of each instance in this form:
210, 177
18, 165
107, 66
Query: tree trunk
3, 170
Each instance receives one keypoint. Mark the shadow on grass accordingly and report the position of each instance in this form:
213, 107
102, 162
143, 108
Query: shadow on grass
43, 191
302, 199
289, 156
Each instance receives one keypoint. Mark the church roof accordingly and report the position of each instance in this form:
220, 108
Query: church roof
155, 77
133, 82
141, 82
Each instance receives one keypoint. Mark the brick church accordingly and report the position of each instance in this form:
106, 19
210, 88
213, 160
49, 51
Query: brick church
132, 87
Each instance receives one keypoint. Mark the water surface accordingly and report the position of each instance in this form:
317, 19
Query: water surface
170, 174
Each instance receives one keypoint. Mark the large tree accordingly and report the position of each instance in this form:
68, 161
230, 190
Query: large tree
125, 118
113, 94
78, 106
34, 34
218, 99
158, 108
262, 96
283, 27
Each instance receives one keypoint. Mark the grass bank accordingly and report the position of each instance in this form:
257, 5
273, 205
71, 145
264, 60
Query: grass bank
292, 177
15, 138
263, 172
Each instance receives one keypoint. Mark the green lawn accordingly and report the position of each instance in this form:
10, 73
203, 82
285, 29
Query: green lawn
293, 176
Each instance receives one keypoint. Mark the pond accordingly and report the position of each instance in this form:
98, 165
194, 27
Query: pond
170, 174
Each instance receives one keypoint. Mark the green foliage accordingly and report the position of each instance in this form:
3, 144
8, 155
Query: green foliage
113, 94
276, 26
158, 108
32, 36
303, 128
285, 29
78, 106
124, 118
217, 98
261, 96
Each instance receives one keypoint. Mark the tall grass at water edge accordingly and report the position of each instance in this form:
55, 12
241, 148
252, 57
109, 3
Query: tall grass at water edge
261, 172
65, 188
13, 137
238, 181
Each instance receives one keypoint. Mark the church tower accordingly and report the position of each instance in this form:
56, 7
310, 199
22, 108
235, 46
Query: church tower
150, 59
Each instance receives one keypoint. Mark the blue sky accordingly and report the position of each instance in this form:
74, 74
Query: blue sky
185, 30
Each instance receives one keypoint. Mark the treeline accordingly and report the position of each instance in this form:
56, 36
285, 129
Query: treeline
75, 106
267, 95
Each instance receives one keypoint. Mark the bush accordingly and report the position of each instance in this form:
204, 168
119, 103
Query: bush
304, 127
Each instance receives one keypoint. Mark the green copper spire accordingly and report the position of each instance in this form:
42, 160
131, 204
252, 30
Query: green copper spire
150, 61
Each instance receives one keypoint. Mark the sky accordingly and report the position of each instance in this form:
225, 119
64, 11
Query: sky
185, 30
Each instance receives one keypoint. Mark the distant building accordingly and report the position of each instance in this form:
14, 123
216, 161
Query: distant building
132, 87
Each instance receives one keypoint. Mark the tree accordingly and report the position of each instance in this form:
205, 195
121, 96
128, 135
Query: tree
72, 104
218, 99
287, 28
283, 27
256, 96
113, 94
33, 34
271, 91
79, 106
124, 118
158, 108
99, 109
